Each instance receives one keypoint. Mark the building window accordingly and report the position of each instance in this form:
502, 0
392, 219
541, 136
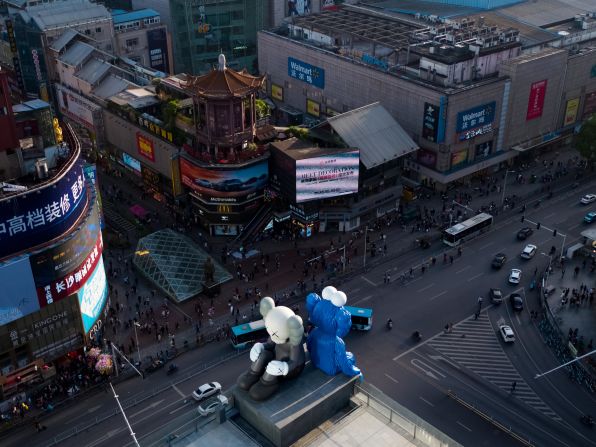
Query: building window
98, 30
87, 32
132, 42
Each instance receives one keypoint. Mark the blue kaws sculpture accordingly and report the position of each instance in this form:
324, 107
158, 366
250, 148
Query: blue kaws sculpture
332, 321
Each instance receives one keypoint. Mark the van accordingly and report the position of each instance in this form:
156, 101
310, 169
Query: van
496, 296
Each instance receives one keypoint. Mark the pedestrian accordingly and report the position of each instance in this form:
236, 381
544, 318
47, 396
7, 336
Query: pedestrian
513, 385
451, 259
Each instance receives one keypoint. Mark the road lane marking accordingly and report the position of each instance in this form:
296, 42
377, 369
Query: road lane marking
369, 281
178, 391
438, 295
462, 425
518, 320
391, 378
366, 298
440, 357
430, 372
486, 245
467, 267
550, 215
425, 401
573, 227
472, 278
178, 409
148, 407
426, 287
92, 409
356, 290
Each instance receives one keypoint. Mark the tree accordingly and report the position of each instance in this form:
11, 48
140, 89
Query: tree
585, 140
262, 109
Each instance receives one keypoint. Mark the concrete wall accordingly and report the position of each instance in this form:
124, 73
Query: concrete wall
123, 135
579, 80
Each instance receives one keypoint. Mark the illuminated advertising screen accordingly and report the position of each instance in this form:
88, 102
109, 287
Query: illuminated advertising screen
313, 108
17, 297
298, 7
60, 259
430, 122
475, 121
93, 296
131, 162
41, 215
68, 284
277, 92
536, 100
224, 185
145, 146
571, 111
327, 176
158, 49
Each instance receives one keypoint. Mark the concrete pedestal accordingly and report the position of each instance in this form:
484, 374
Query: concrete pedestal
299, 406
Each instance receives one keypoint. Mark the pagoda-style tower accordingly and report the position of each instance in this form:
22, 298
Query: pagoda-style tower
225, 171
225, 112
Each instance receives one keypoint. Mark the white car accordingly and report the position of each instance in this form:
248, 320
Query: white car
529, 251
515, 276
206, 390
212, 405
507, 334
588, 198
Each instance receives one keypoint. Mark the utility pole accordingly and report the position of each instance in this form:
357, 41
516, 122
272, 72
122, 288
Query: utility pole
132, 433
537, 376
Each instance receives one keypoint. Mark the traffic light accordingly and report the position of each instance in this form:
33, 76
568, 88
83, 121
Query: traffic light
523, 218
555, 233
538, 226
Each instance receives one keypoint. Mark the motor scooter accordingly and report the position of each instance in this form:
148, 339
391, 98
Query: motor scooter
389, 324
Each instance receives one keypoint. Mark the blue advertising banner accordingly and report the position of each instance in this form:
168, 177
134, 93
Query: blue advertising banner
93, 296
306, 73
477, 117
18, 298
158, 49
35, 217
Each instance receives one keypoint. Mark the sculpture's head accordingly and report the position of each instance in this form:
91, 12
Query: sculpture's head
328, 313
282, 324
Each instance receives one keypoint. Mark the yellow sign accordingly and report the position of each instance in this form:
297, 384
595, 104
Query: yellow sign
277, 92
571, 111
313, 108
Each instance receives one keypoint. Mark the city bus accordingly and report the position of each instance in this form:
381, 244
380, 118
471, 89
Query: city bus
454, 235
248, 333
361, 318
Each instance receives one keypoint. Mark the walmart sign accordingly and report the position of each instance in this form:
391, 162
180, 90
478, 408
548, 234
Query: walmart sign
306, 73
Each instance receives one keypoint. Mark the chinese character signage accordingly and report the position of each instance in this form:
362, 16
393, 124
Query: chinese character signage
158, 49
35, 217
304, 72
589, 104
93, 296
430, 122
313, 108
145, 146
571, 111
67, 285
536, 100
478, 117
18, 297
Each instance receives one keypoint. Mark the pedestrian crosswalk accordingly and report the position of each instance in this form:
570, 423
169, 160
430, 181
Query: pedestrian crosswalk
474, 344
114, 218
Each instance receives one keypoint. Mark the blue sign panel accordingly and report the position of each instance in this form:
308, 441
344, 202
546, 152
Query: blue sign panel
38, 216
306, 73
18, 297
93, 296
477, 117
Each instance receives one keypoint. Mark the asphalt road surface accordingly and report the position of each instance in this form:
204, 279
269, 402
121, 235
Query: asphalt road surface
447, 378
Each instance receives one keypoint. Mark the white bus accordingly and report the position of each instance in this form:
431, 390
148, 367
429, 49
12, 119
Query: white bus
454, 235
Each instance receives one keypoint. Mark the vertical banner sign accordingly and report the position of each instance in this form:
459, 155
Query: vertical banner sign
589, 104
313, 108
571, 111
536, 100
430, 122
277, 92
158, 49
145, 147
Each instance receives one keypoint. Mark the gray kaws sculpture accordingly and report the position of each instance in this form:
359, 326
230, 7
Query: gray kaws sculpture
281, 357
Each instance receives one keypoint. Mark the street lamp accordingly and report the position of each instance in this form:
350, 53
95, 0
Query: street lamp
550, 260
135, 325
366, 230
505, 187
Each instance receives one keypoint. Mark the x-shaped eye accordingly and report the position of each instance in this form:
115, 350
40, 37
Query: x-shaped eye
274, 334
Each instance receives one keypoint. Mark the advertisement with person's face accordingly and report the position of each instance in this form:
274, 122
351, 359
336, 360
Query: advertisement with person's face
93, 296
219, 185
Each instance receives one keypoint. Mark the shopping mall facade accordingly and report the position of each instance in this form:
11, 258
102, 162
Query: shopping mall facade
54, 288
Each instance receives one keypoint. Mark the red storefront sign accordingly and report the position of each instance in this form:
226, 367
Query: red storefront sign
536, 100
69, 284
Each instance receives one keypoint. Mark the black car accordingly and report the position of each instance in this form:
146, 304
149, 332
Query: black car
517, 302
524, 233
499, 260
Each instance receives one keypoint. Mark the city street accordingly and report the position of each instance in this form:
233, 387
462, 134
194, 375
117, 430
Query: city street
456, 381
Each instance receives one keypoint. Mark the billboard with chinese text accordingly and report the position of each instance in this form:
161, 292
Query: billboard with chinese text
327, 176
536, 100
571, 111
93, 296
145, 146
58, 260
224, 185
17, 296
475, 121
589, 104
76, 106
430, 122
38, 216
68, 284
306, 73
157, 44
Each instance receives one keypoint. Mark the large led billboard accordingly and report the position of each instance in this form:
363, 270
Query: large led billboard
17, 296
224, 185
327, 176
40, 215
58, 260
93, 296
